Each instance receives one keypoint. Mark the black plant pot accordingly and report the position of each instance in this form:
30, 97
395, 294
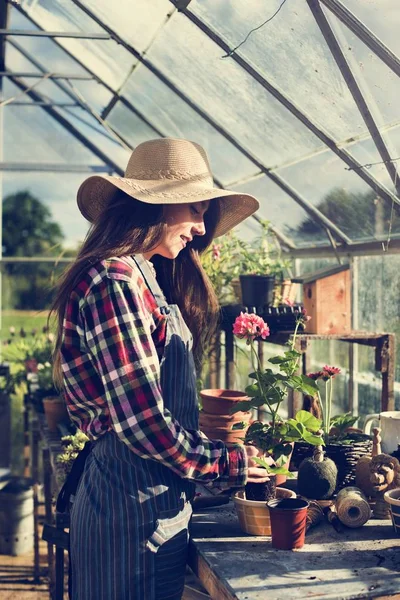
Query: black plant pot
257, 290
262, 492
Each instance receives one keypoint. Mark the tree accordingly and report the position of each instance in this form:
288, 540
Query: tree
28, 230
27, 227
359, 215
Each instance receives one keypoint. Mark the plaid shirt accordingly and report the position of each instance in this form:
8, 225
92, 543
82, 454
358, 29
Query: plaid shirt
113, 340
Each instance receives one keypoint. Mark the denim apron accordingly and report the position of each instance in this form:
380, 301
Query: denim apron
130, 515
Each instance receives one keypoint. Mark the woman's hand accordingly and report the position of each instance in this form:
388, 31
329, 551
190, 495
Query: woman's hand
255, 474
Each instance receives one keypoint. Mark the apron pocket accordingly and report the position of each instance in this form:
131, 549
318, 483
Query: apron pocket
169, 528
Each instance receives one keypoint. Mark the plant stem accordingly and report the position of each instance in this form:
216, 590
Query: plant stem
330, 398
327, 418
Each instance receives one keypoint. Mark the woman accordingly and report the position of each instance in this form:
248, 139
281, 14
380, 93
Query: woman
127, 310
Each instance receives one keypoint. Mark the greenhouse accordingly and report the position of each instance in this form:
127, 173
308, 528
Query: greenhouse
199, 300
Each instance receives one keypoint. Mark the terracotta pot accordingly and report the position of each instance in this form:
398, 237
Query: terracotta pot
55, 410
281, 479
393, 499
288, 522
209, 420
220, 402
254, 517
225, 435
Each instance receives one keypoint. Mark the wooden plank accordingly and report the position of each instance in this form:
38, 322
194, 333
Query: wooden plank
357, 563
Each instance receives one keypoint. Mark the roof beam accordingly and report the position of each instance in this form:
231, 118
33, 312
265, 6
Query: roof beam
55, 104
308, 207
355, 90
380, 189
65, 88
375, 247
68, 126
4, 14
52, 168
51, 34
49, 75
81, 64
364, 34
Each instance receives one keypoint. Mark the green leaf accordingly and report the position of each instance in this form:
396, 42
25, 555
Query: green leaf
308, 420
310, 382
314, 440
252, 390
244, 405
240, 425
278, 360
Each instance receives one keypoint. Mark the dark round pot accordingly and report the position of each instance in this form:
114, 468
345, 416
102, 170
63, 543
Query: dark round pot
257, 290
344, 455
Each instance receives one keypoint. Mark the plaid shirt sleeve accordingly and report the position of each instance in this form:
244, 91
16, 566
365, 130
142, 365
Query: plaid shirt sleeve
117, 328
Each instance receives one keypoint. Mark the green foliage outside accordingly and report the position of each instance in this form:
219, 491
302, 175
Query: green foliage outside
29, 231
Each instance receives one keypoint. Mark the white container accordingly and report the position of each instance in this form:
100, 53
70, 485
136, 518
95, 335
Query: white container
389, 422
16, 517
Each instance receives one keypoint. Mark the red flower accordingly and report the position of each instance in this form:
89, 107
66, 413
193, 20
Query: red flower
316, 375
328, 372
250, 326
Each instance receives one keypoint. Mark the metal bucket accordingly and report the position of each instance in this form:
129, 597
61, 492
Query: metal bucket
16, 517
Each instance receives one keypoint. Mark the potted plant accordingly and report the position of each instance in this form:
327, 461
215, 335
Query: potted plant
54, 405
275, 438
222, 263
343, 444
263, 270
72, 445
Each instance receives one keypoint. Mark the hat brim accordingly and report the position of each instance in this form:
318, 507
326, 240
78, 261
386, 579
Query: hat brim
96, 191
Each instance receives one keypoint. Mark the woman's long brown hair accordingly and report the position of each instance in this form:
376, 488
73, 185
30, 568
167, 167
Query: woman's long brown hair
126, 227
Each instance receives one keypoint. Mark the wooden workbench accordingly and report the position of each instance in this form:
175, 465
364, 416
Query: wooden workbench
358, 563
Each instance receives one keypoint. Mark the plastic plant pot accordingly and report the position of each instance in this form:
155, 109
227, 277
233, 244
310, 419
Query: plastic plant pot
288, 522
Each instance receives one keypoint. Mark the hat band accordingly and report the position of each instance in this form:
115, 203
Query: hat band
168, 174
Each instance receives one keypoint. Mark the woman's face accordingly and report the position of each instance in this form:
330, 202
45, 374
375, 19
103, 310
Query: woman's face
183, 222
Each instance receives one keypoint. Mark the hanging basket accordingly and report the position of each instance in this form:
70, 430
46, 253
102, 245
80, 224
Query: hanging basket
344, 455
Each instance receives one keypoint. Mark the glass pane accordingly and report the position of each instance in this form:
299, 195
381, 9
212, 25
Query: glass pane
229, 94
382, 17
379, 85
147, 18
98, 135
133, 129
341, 195
110, 61
283, 212
43, 139
174, 118
12, 91
57, 191
366, 153
54, 59
292, 53
378, 310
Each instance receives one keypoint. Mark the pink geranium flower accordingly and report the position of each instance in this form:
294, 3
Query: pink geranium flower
250, 326
216, 251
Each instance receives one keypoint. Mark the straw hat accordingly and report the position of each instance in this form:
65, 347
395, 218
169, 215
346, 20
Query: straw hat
166, 171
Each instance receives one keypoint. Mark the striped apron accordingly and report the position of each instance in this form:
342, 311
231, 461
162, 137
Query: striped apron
130, 516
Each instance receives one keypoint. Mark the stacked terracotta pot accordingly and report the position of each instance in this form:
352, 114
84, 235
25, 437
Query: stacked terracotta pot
216, 420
